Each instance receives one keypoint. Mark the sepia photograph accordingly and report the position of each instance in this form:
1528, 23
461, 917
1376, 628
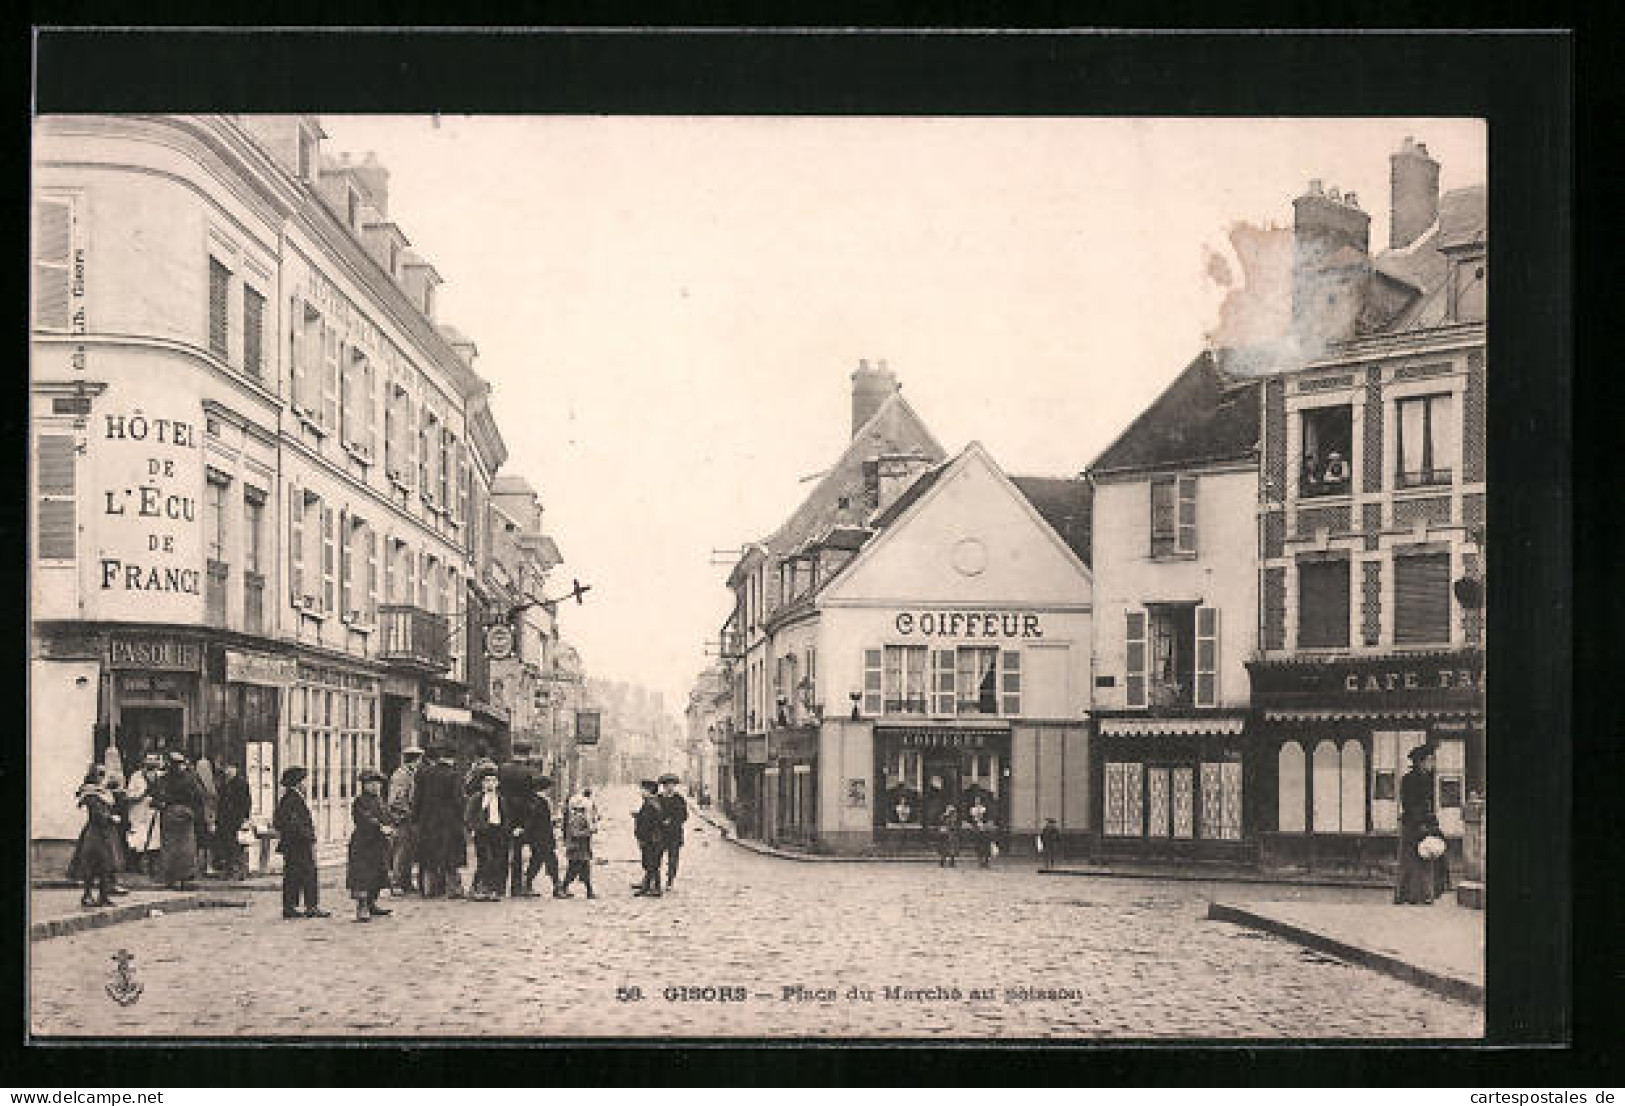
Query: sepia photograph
757, 576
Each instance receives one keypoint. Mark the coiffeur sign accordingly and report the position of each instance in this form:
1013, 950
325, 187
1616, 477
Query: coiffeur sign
975, 624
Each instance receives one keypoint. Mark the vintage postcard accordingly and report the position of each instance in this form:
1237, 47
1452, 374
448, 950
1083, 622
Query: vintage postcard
796, 577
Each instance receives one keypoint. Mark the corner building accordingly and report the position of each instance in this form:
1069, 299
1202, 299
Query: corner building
255, 458
926, 639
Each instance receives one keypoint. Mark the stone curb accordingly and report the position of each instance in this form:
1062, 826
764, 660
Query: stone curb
129, 912
1189, 876
1450, 986
808, 858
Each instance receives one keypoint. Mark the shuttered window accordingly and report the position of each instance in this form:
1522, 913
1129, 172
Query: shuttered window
219, 288
329, 559
53, 250
370, 544
253, 332
1323, 604
1187, 514
330, 378
943, 697
296, 544
1422, 598
1134, 640
349, 528
1164, 524
872, 669
1010, 682
55, 523
1207, 656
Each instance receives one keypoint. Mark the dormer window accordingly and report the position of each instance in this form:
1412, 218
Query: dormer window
354, 210
1467, 289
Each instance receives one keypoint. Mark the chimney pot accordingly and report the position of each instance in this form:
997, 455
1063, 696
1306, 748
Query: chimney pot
1314, 186
1332, 193
1351, 200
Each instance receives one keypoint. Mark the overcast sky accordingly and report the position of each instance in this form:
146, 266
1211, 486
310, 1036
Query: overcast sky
669, 309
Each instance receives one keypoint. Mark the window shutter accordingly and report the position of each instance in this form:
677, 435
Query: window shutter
372, 576
56, 525
219, 286
1422, 599
328, 558
1207, 656
1010, 681
943, 682
369, 409
253, 331
1187, 514
463, 482
1323, 604
1134, 638
409, 441
349, 412
871, 681
296, 543
389, 569
53, 249
330, 377
299, 350
443, 471
346, 537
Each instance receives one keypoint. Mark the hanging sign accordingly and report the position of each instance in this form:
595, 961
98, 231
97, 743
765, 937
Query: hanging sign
587, 727
499, 641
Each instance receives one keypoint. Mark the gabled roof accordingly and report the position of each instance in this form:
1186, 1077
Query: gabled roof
912, 501
1067, 503
895, 428
1204, 416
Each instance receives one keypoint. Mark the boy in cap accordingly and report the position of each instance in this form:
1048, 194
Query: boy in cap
537, 825
368, 870
578, 831
649, 827
296, 841
676, 812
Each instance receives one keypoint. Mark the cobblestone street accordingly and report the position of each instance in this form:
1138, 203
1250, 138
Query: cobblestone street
1118, 958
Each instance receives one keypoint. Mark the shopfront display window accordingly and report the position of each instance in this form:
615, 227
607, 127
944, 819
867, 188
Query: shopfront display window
1177, 800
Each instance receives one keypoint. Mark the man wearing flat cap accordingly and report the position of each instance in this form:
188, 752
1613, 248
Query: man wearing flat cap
649, 827
675, 809
296, 841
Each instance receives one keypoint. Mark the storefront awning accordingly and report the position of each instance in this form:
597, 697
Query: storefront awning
1156, 727
1351, 714
458, 716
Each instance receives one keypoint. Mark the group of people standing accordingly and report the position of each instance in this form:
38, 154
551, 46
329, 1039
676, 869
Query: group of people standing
410, 835
976, 823
658, 826
171, 822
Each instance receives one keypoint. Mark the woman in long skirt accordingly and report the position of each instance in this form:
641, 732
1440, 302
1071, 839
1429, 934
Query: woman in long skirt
368, 870
95, 857
179, 801
1421, 880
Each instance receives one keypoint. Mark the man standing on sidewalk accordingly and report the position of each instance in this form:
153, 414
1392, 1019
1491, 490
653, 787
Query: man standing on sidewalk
402, 784
649, 827
675, 809
437, 812
296, 841
537, 819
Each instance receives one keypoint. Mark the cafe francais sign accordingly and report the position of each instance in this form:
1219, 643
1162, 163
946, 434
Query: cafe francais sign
1424, 679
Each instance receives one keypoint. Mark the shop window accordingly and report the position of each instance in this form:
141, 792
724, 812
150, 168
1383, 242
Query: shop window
1184, 806
1158, 820
1424, 445
1327, 466
1221, 800
1124, 809
1323, 604
1421, 598
1338, 793
904, 682
1173, 516
1289, 797
977, 681
1390, 757
1450, 787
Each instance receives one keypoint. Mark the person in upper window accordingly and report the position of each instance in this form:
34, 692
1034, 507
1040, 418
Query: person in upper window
1310, 472
1337, 469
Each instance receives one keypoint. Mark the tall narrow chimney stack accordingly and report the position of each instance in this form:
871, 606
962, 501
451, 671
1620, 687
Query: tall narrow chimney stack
1414, 177
870, 389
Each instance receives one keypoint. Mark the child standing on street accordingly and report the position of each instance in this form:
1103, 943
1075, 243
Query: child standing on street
1049, 845
578, 830
948, 838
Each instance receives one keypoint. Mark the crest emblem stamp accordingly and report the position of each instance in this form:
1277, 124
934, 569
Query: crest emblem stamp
124, 989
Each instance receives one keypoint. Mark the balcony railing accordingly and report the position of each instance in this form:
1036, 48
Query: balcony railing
253, 602
214, 594
414, 637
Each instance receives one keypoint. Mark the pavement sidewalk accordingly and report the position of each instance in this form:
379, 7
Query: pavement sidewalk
55, 911
1438, 947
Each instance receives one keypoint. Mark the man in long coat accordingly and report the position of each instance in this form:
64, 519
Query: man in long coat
649, 827
233, 805
437, 812
538, 837
296, 841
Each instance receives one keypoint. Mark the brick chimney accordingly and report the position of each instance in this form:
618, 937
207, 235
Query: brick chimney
870, 389
1330, 259
1414, 180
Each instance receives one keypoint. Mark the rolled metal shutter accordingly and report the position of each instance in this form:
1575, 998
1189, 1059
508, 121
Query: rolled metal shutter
1422, 598
1323, 604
